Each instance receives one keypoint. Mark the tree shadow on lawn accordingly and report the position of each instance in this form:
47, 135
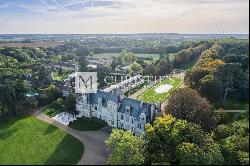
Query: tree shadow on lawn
50, 129
68, 152
6, 129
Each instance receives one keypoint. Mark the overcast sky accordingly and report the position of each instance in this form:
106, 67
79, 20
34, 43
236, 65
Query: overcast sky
124, 16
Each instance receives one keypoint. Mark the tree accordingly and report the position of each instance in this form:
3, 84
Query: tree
41, 76
193, 77
215, 63
229, 75
125, 149
187, 104
149, 70
234, 142
82, 53
102, 73
163, 67
49, 94
70, 103
135, 67
174, 141
210, 88
83, 63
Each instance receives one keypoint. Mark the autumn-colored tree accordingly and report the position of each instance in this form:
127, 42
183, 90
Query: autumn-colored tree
215, 63
193, 77
187, 104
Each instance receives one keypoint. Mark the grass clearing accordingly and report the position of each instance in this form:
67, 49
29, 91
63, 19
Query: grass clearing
150, 96
110, 55
28, 141
87, 124
60, 77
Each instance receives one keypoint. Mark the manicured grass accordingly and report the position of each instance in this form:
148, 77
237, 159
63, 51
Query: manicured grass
31, 141
87, 124
51, 110
150, 96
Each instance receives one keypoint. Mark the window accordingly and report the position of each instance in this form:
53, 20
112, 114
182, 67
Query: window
127, 118
99, 101
112, 123
122, 117
96, 108
132, 121
127, 110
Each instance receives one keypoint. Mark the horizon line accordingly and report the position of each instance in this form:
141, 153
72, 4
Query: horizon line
176, 33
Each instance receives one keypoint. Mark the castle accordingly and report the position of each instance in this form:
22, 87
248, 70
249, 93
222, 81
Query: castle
117, 110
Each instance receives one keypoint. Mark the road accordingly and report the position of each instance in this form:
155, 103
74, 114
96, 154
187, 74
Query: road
95, 150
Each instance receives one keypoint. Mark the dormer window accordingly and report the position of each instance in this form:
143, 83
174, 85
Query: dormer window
143, 118
84, 99
128, 110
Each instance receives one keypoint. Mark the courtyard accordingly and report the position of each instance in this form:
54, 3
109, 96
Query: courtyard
160, 92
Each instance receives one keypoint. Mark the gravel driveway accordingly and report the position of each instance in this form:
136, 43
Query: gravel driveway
95, 151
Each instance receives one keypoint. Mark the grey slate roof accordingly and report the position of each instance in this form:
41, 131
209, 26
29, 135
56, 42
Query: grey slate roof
136, 108
105, 97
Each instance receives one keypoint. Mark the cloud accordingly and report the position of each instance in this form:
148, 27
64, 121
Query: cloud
126, 15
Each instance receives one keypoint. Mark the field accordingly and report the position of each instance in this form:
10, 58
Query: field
29, 141
32, 45
110, 55
150, 96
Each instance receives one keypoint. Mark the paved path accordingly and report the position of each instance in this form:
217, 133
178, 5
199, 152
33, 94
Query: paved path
95, 152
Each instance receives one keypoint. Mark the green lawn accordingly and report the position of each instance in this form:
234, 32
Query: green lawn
87, 124
134, 90
150, 96
31, 141
51, 111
